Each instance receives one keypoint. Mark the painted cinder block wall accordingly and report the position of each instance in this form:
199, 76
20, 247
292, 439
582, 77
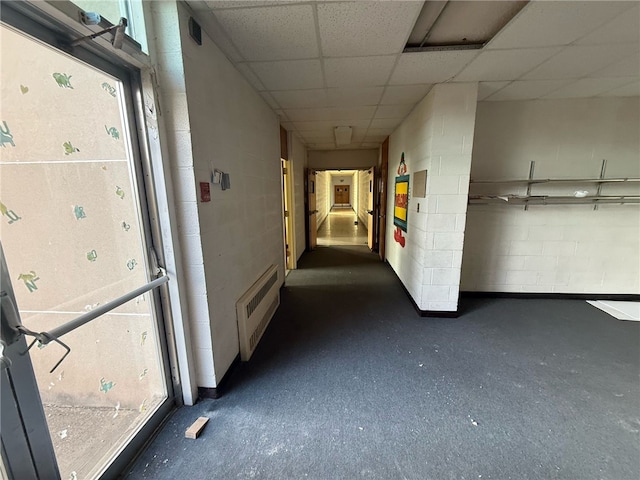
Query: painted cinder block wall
555, 249
436, 136
215, 119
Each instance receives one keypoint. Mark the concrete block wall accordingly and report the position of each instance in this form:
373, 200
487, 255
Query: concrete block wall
555, 249
214, 119
436, 136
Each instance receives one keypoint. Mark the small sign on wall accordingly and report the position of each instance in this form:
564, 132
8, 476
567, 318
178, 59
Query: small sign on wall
420, 184
205, 192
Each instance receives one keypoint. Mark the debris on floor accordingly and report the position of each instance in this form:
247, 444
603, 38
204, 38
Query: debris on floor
196, 428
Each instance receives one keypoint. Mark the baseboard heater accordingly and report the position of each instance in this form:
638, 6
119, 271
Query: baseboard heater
255, 310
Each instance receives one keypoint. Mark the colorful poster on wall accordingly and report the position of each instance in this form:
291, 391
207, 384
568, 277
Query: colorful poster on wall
401, 203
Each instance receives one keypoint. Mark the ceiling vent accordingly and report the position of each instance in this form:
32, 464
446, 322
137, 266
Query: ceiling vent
343, 136
460, 25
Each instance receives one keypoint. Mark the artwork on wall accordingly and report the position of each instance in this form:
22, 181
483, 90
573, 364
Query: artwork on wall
401, 202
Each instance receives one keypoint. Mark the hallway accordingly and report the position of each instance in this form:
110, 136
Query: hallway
348, 382
340, 229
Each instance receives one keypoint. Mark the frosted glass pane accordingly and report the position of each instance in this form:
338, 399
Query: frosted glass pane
73, 235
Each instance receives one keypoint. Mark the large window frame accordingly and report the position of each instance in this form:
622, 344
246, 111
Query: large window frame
35, 455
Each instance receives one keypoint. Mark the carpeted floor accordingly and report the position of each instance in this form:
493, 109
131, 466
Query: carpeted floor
349, 383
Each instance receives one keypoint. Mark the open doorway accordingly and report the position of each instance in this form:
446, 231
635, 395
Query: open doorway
287, 206
344, 205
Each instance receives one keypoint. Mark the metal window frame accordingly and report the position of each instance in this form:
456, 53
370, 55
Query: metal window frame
37, 23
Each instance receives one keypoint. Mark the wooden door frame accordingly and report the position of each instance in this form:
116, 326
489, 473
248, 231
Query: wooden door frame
382, 197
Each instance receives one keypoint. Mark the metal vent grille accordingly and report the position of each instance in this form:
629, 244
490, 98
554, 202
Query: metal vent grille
255, 301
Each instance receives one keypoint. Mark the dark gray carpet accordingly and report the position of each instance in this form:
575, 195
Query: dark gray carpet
348, 382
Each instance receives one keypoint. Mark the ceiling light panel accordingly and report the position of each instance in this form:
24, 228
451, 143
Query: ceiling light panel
271, 33
365, 28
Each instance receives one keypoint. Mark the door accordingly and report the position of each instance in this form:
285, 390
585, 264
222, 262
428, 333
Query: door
370, 219
76, 234
311, 210
287, 204
341, 195
382, 198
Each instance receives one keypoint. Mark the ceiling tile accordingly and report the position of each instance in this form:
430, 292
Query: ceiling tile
375, 138
404, 94
358, 71
385, 123
580, 61
489, 88
526, 90
332, 114
351, 29
270, 100
430, 67
630, 90
542, 24
317, 137
380, 131
625, 28
322, 146
198, 5
349, 97
495, 65
589, 87
251, 77
217, 4
370, 145
271, 33
394, 111
289, 74
213, 29
327, 125
301, 98
628, 67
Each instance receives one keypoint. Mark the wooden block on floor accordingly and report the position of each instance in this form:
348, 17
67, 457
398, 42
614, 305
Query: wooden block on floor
196, 428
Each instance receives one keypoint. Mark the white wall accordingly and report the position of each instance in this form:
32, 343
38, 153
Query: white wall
342, 180
323, 184
342, 159
555, 249
437, 136
230, 241
298, 159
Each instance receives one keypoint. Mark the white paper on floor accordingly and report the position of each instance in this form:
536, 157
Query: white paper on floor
619, 310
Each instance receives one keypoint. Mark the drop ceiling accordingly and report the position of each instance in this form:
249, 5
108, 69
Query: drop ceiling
322, 64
